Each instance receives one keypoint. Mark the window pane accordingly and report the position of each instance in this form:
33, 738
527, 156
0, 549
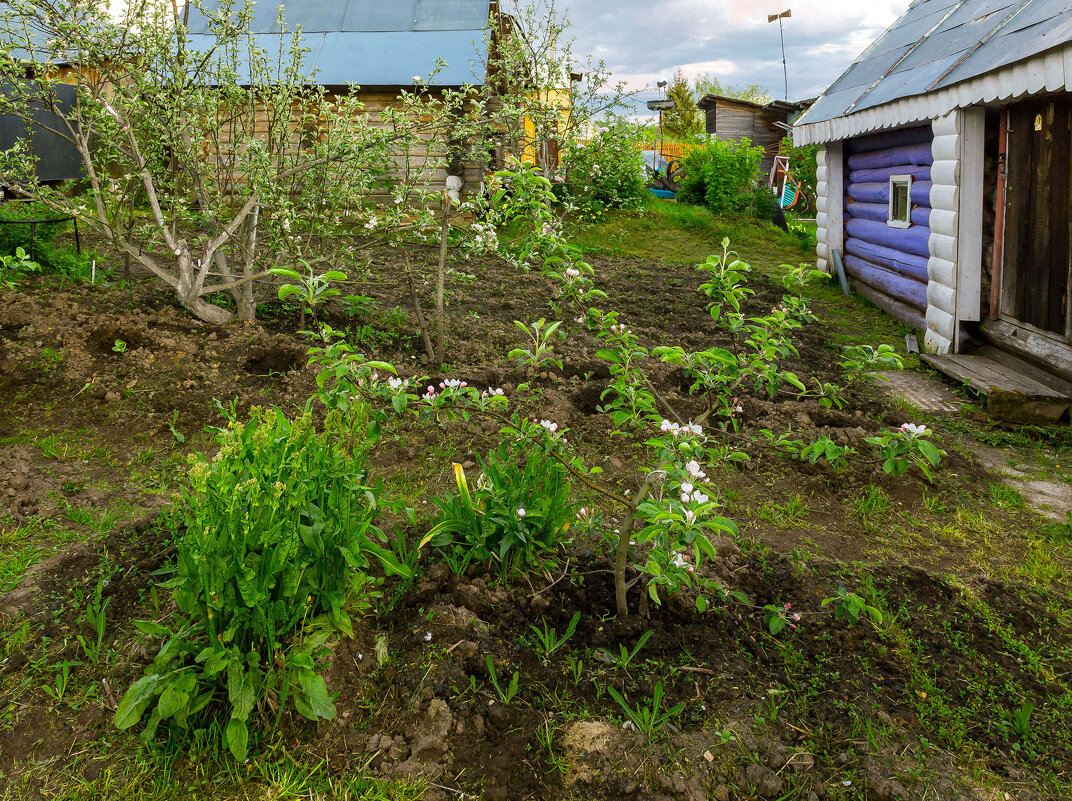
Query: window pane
900, 202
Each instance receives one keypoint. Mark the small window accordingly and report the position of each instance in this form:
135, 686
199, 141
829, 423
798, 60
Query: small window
900, 213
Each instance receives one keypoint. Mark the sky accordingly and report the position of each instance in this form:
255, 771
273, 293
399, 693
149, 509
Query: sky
645, 42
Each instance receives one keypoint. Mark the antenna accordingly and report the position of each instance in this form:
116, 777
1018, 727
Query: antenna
781, 34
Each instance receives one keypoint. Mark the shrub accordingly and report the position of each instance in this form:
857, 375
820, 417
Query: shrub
278, 527
722, 175
517, 515
607, 172
51, 257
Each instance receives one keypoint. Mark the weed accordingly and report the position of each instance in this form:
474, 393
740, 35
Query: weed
95, 616
547, 639
649, 719
791, 513
625, 656
507, 695
1005, 497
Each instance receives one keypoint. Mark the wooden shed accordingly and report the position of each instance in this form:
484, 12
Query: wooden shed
764, 124
944, 185
380, 50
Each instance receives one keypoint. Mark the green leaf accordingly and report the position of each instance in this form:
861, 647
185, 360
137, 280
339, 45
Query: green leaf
135, 700
287, 290
286, 273
237, 738
173, 699
334, 275
317, 693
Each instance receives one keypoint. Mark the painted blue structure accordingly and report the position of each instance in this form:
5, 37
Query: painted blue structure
373, 44
889, 265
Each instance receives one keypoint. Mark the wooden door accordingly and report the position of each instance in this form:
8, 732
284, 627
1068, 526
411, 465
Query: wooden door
1037, 264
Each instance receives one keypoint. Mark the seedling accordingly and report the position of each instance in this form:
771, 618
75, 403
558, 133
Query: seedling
849, 606
540, 334
649, 719
119, 347
507, 695
94, 615
548, 641
625, 656
63, 677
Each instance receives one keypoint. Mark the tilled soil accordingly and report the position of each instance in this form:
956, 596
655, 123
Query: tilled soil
881, 709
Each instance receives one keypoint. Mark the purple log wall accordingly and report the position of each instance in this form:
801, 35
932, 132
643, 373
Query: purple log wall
888, 265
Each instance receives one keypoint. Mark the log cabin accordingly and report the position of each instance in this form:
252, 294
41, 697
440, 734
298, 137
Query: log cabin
945, 181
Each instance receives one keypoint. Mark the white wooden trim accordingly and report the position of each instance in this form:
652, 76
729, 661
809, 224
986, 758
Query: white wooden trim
970, 234
835, 197
941, 335
1004, 83
891, 222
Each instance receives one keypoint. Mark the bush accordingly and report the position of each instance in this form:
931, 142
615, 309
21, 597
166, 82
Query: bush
722, 176
51, 257
607, 172
517, 515
278, 530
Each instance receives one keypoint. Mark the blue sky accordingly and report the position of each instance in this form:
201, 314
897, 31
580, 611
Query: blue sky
644, 42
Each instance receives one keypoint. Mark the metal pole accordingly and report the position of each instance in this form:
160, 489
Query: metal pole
785, 71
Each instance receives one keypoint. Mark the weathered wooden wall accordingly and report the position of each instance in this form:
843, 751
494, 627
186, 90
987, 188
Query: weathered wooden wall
730, 121
888, 265
419, 158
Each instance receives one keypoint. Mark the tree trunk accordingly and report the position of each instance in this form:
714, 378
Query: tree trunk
190, 297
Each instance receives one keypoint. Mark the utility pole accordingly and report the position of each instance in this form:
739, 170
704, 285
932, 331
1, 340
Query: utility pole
781, 34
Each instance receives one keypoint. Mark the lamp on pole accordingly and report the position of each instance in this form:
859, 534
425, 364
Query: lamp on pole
781, 34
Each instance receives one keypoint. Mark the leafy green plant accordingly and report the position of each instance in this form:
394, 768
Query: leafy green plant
907, 446
649, 719
312, 290
777, 617
625, 656
58, 689
516, 515
15, 266
850, 606
95, 615
863, 362
119, 347
542, 349
721, 175
507, 695
275, 535
604, 172
547, 639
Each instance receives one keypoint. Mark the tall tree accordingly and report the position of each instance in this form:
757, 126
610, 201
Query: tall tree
684, 119
708, 84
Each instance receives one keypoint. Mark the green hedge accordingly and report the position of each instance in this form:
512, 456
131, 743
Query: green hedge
722, 176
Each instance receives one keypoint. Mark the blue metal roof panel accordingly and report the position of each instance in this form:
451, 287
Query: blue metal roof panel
392, 58
397, 15
451, 15
932, 35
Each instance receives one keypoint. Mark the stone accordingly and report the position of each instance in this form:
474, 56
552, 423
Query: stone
765, 780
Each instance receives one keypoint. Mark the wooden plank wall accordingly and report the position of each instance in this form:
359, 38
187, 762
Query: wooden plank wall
375, 103
732, 121
888, 265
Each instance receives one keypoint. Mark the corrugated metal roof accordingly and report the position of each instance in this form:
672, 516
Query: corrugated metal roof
373, 42
938, 43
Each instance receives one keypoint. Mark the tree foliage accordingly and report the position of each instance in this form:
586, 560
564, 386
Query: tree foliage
684, 119
707, 84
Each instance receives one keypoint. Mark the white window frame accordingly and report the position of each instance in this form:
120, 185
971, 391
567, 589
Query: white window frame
891, 222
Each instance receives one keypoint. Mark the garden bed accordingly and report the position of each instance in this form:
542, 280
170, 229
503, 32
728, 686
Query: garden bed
106, 388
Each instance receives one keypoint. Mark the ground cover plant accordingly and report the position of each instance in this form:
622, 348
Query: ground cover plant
879, 635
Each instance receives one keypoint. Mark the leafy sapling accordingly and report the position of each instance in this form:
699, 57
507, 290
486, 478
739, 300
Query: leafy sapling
625, 656
850, 606
906, 447
541, 352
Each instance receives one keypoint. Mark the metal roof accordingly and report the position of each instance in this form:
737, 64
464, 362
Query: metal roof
938, 43
373, 42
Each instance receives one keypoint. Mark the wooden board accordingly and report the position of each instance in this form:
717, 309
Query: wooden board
1011, 396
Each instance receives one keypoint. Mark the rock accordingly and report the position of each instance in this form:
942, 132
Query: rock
765, 780
721, 793
672, 783
776, 756
466, 650
430, 744
498, 715
589, 748
438, 573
